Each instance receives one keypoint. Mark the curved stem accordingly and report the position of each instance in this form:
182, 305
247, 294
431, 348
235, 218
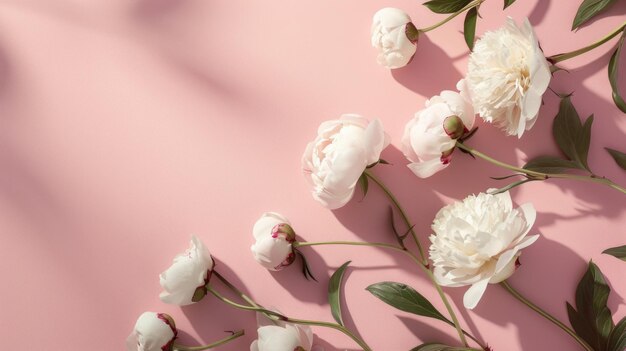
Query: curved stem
568, 55
423, 263
234, 336
450, 17
352, 243
545, 315
542, 176
284, 318
235, 290
397, 205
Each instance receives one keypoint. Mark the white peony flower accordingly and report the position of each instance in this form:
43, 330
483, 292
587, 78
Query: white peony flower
477, 241
507, 76
281, 336
430, 137
274, 236
335, 160
184, 282
394, 36
153, 332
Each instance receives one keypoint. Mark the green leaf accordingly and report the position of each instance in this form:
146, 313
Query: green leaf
508, 3
619, 157
306, 270
405, 298
334, 292
592, 319
570, 135
364, 184
588, 9
618, 252
549, 164
438, 347
613, 66
617, 339
446, 6
469, 27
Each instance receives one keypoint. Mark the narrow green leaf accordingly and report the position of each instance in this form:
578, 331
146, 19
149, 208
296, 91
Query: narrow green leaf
613, 68
469, 27
510, 186
617, 339
364, 184
405, 298
334, 292
306, 269
438, 347
446, 6
588, 9
618, 252
619, 157
383, 162
592, 319
508, 3
549, 164
570, 135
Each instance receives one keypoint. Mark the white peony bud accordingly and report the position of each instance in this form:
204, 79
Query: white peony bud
153, 332
335, 160
477, 242
507, 76
184, 282
281, 336
274, 236
394, 36
429, 138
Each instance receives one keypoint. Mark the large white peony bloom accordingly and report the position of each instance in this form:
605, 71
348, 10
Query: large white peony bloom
507, 76
335, 160
477, 242
430, 137
394, 36
274, 236
152, 332
184, 281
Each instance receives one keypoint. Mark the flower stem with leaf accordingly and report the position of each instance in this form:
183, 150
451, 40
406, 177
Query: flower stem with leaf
545, 315
467, 7
233, 336
253, 306
540, 175
395, 248
568, 55
423, 263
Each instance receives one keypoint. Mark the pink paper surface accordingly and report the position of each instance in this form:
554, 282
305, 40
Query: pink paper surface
128, 126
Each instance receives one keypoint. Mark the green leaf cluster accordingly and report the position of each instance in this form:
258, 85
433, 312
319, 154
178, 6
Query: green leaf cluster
591, 319
573, 138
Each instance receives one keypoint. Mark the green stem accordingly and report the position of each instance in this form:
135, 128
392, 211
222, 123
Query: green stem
423, 263
542, 176
545, 315
234, 336
449, 18
568, 55
284, 318
397, 205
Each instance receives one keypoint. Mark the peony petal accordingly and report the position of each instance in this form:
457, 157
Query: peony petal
475, 293
530, 215
508, 255
374, 141
427, 168
263, 226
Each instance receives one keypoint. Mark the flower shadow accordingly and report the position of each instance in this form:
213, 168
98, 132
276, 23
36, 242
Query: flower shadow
418, 75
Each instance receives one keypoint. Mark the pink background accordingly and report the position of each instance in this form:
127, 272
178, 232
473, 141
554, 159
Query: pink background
128, 126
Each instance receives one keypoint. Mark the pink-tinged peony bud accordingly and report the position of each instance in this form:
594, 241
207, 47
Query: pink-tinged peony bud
152, 332
184, 282
430, 137
274, 236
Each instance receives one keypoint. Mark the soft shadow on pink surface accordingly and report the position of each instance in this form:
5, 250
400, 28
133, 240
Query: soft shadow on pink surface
419, 75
